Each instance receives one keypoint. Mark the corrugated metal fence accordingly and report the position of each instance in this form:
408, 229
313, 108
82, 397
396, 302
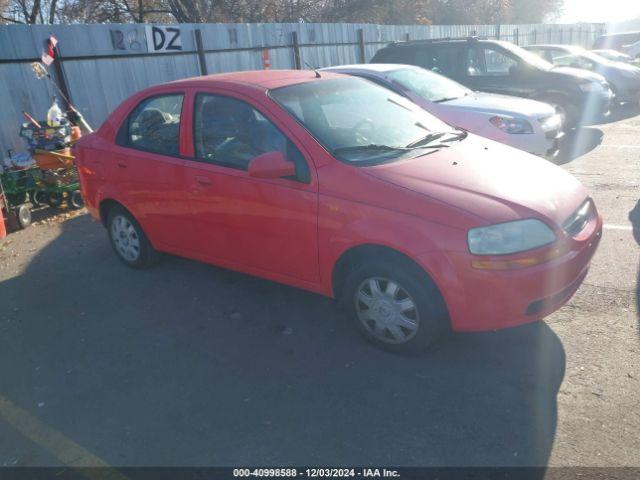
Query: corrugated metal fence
103, 64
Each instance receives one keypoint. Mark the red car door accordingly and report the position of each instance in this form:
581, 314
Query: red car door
252, 224
149, 172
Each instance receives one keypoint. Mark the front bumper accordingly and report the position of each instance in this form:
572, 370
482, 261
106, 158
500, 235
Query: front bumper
481, 300
597, 105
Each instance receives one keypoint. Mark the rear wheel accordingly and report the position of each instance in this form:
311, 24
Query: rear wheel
129, 240
395, 305
74, 200
54, 199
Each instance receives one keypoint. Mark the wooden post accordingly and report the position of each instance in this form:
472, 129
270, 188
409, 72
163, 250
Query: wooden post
201, 58
361, 50
297, 60
61, 78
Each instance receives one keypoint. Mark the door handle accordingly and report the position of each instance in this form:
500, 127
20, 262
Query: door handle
122, 164
202, 180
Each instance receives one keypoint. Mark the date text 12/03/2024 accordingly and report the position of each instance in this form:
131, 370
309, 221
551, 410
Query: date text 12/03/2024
316, 472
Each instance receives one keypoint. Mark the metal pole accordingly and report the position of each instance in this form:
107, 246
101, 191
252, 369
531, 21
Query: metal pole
202, 60
363, 58
62, 79
407, 37
516, 36
297, 60
535, 36
497, 32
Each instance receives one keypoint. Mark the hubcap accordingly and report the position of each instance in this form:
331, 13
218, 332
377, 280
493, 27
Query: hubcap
386, 310
125, 237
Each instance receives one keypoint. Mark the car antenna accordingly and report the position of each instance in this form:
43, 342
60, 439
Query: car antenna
315, 70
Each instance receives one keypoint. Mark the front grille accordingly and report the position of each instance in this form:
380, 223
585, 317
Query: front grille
579, 219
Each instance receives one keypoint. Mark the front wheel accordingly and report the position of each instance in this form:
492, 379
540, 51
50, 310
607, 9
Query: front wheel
129, 240
23, 216
395, 306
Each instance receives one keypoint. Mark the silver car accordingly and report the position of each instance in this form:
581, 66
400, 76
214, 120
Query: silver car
528, 125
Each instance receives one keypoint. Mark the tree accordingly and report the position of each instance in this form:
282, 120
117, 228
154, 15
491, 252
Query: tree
199, 11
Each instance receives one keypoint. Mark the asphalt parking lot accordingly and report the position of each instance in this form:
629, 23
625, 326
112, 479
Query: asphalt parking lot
188, 364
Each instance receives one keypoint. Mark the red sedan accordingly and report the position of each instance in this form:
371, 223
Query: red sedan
336, 185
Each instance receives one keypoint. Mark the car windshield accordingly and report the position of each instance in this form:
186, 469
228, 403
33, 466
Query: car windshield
361, 122
428, 85
527, 56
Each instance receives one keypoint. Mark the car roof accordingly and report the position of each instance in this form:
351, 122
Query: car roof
549, 45
259, 79
368, 67
437, 41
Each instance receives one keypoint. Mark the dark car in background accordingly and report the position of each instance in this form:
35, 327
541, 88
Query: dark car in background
623, 79
616, 41
501, 67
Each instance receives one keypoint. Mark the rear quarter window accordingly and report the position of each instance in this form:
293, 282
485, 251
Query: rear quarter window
395, 55
442, 59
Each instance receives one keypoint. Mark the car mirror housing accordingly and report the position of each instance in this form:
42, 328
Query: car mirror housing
271, 165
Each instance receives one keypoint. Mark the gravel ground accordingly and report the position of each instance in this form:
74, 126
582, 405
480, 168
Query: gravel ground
187, 364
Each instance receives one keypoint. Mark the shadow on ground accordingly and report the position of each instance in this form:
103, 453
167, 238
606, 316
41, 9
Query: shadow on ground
634, 218
621, 112
187, 364
578, 142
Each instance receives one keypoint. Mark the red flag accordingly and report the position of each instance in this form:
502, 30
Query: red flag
49, 54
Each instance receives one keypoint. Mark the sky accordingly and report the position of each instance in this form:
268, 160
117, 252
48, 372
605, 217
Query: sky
599, 10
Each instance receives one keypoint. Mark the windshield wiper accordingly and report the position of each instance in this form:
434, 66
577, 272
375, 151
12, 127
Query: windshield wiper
446, 99
366, 148
426, 139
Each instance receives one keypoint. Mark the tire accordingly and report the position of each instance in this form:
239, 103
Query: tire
38, 198
570, 113
74, 200
23, 216
54, 199
395, 305
129, 240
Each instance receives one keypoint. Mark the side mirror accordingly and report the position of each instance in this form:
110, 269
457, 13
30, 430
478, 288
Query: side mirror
271, 165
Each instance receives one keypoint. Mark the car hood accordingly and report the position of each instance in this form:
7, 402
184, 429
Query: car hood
492, 181
491, 103
578, 73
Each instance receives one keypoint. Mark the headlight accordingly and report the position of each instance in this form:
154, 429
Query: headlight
590, 87
510, 237
553, 122
511, 125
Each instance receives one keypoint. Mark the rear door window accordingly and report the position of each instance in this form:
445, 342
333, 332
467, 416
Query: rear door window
154, 125
488, 61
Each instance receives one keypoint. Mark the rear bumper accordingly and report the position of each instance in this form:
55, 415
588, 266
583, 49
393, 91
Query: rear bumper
480, 300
